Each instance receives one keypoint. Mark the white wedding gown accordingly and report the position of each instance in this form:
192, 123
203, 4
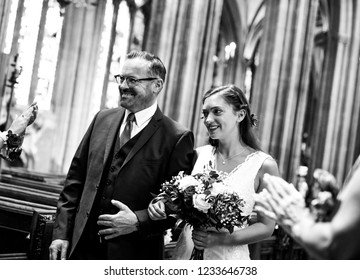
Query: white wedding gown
241, 179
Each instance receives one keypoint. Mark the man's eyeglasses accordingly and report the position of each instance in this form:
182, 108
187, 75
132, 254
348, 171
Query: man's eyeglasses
130, 80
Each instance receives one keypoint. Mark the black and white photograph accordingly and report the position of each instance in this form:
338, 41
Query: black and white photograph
179, 138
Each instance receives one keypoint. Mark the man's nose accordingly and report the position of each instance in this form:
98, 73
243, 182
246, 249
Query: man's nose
124, 84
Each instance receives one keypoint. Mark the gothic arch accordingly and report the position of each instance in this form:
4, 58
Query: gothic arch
251, 49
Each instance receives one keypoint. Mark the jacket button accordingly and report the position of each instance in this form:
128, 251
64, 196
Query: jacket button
112, 168
117, 156
87, 213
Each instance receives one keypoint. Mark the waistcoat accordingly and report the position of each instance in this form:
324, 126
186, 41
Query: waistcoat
111, 171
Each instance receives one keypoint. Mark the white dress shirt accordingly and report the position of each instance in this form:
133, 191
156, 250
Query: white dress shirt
142, 118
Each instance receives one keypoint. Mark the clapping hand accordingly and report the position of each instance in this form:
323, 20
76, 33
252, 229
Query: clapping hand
25, 119
281, 202
121, 223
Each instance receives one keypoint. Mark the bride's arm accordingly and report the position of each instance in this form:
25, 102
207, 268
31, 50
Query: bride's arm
255, 232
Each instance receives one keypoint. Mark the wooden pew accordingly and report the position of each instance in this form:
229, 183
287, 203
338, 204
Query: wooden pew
27, 207
28, 194
40, 235
50, 187
17, 221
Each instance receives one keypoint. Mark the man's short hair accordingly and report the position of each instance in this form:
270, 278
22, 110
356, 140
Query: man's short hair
156, 67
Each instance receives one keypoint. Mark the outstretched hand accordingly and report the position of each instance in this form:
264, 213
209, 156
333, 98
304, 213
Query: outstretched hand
281, 202
25, 119
121, 223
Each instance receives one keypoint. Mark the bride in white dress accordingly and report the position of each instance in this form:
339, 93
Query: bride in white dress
233, 149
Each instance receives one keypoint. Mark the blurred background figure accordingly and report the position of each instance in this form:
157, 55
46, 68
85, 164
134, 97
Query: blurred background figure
12, 139
333, 239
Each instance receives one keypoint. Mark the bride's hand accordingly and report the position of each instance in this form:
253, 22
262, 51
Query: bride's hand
205, 239
156, 211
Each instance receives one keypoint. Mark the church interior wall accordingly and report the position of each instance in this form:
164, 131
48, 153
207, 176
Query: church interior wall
271, 54
297, 62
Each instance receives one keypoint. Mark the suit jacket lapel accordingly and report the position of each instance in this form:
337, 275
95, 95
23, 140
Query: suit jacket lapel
113, 130
149, 130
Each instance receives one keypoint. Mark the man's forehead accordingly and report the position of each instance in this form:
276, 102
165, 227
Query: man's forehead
135, 64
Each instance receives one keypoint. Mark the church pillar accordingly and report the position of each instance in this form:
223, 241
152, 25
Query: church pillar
184, 35
74, 79
4, 17
338, 142
4, 55
280, 88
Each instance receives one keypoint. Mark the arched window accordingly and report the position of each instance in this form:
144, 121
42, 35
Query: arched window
124, 29
251, 49
36, 43
227, 49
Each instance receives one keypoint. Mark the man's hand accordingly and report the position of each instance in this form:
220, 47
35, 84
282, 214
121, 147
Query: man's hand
124, 222
58, 245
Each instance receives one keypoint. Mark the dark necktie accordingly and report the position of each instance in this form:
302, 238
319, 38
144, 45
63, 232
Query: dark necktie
125, 135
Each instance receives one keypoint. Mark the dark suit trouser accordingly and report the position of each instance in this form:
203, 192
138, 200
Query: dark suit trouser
89, 246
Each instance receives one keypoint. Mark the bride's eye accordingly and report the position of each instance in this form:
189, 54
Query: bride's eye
217, 112
204, 115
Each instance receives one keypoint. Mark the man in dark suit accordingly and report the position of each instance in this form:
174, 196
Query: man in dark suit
123, 158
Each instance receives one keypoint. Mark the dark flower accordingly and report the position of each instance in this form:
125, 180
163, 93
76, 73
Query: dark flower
13, 140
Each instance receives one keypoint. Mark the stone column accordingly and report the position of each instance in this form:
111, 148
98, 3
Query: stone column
338, 120
184, 35
280, 87
4, 57
74, 79
4, 17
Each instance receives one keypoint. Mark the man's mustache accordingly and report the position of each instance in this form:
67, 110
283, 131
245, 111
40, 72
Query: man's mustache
122, 91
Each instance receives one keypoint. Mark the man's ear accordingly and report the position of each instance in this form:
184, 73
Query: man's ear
158, 85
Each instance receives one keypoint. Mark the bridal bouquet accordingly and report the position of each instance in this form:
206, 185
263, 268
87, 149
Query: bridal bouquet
203, 200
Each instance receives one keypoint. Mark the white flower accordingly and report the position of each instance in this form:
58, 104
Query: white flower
186, 182
200, 188
167, 236
200, 203
219, 187
323, 196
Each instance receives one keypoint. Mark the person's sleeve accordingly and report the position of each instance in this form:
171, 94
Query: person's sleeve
182, 159
73, 187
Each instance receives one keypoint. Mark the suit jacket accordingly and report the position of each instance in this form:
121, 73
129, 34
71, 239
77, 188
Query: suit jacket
163, 149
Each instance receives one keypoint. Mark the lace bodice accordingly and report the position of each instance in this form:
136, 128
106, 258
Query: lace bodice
241, 179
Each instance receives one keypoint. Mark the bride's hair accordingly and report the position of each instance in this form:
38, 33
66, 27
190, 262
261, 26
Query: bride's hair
237, 99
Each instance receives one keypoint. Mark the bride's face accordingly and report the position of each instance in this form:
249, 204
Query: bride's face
219, 118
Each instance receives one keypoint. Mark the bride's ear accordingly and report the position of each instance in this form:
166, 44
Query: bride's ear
241, 115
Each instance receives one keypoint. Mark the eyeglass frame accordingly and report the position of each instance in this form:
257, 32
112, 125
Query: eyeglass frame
135, 81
